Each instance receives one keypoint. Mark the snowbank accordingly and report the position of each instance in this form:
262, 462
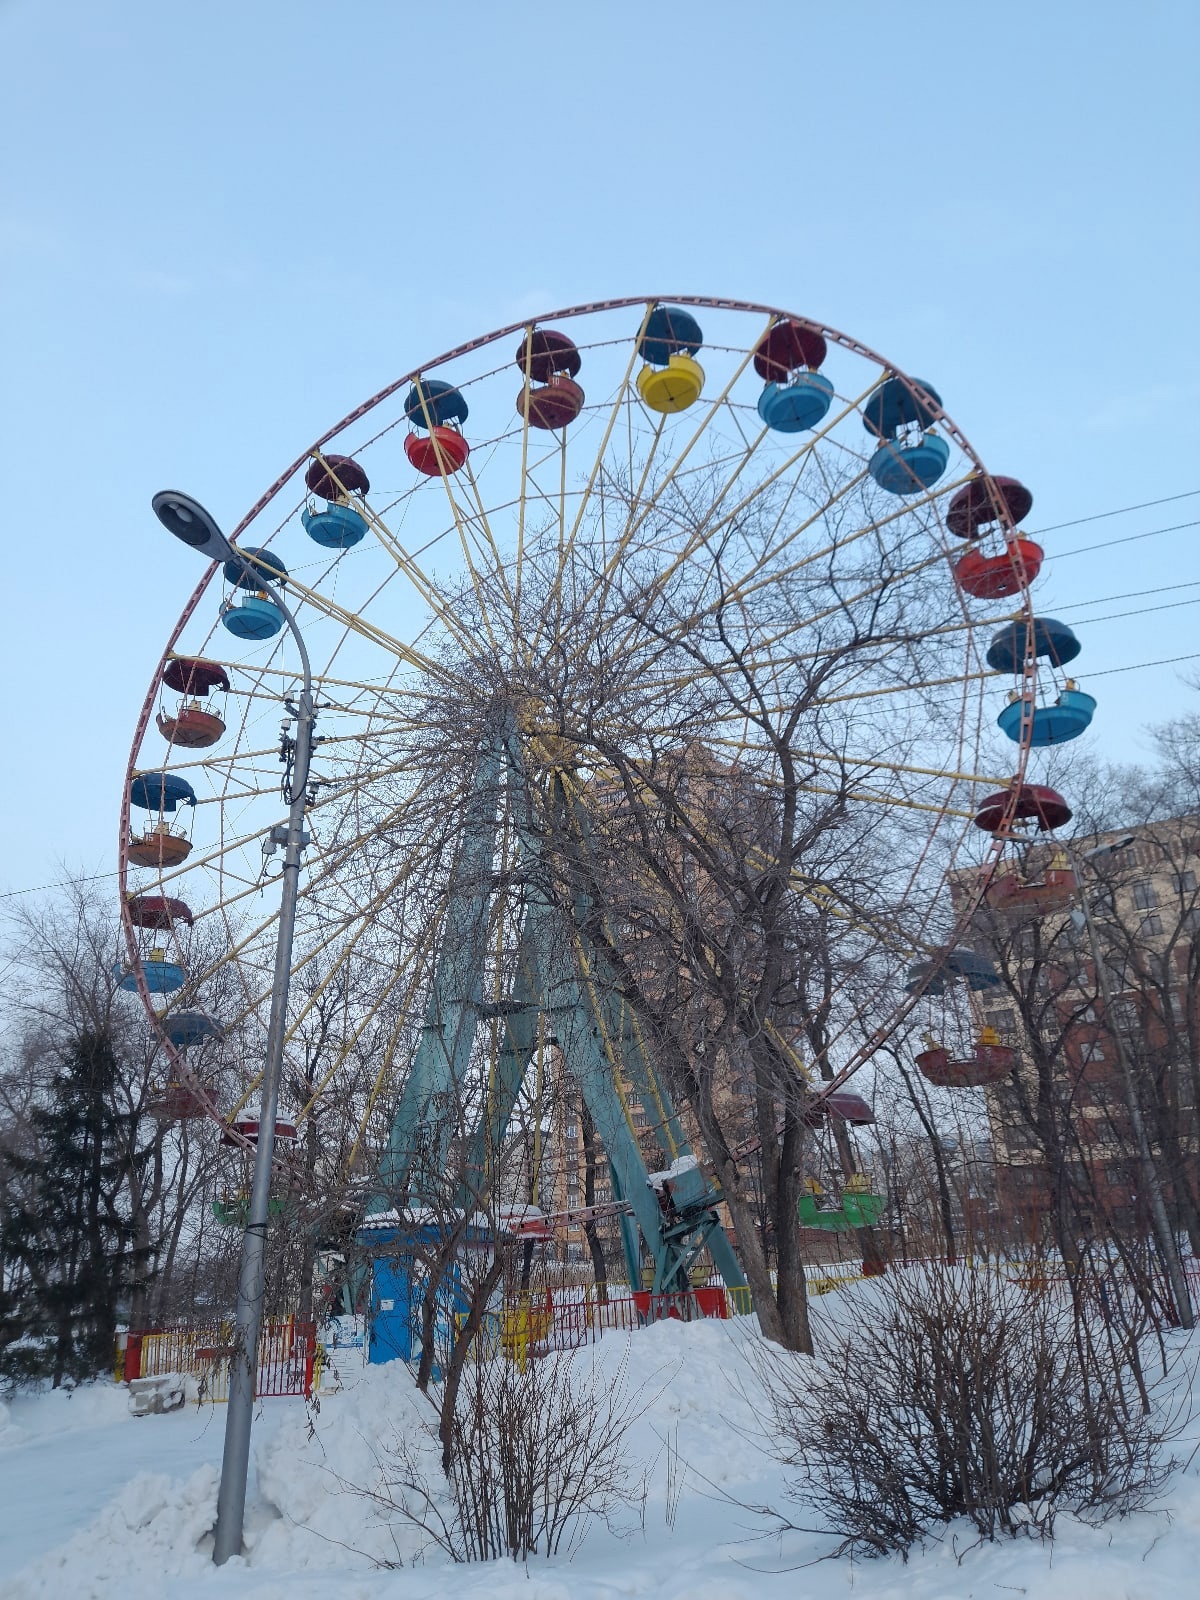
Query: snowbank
314, 1530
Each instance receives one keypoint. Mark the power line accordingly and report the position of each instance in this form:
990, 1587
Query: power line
66, 883
1137, 666
1120, 511
1134, 594
1139, 611
1107, 544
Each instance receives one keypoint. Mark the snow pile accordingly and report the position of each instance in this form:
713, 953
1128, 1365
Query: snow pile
315, 1528
156, 1528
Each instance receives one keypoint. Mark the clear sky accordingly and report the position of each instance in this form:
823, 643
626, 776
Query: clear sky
223, 225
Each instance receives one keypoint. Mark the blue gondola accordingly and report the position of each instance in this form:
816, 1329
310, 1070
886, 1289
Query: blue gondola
160, 791
254, 618
908, 468
188, 1028
430, 401
1069, 716
266, 561
893, 406
977, 971
669, 331
909, 458
799, 404
337, 527
162, 976
1052, 640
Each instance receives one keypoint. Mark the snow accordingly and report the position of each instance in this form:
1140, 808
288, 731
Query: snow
678, 1167
95, 1503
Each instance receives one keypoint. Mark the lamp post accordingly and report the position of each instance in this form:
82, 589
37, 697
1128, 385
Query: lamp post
1151, 1187
190, 522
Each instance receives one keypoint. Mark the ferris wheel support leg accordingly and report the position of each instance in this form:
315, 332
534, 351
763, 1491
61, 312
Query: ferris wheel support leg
231, 1499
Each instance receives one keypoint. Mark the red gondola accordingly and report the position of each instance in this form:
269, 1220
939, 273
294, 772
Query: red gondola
441, 450
159, 847
993, 577
991, 1062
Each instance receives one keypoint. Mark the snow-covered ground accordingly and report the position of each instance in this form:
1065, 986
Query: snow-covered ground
94, 1502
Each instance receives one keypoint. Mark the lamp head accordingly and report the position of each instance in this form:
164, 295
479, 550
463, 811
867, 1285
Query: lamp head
1102, 851
190, 522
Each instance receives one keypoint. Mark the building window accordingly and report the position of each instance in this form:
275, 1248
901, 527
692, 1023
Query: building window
1185, 883
1144, 896
1151, 924
1093, 1050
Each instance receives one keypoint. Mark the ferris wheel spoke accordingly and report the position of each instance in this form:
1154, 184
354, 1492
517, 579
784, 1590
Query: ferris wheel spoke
375, 635
395, 974
641, 508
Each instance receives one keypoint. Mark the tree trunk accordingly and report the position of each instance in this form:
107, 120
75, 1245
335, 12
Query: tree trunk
591, 1232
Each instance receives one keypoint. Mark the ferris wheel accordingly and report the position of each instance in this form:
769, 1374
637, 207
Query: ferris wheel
624, 530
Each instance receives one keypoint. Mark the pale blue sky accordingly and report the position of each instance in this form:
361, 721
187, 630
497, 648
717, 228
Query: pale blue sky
224, 225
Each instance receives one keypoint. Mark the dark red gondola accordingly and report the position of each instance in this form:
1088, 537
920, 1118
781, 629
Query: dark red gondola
194, 677
175, 1103
1009, 894
158, 912
1036, 802
192, 728
787, 347
546, 354
987, 502
554, 405
159, 847
323, 481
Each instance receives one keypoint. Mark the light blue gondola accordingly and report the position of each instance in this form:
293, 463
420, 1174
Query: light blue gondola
1069, 716
909, 468
253, 618
797, 405
337, 527
162, 977
908, 457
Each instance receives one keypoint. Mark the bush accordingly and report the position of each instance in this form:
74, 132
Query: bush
959, 1394
536, 1453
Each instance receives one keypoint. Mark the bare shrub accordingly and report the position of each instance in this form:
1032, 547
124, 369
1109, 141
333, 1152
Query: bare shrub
956, 1393
538, 1452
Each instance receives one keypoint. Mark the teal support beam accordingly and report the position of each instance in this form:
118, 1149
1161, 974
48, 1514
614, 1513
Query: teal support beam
430, 1105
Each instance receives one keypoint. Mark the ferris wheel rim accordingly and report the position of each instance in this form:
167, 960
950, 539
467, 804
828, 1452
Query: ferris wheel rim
830, 334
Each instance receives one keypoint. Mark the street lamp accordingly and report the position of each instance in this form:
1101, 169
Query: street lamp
189, 521
1081, 918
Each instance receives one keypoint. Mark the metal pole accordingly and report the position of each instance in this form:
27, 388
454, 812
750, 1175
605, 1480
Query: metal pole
1163, 1231
231, 1500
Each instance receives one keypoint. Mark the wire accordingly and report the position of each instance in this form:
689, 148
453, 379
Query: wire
65, 883
1137, 666
1140, 611
1134, 594
1131, 538
1120, 511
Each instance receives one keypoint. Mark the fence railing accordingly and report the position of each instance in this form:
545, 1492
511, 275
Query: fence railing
287, 1356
